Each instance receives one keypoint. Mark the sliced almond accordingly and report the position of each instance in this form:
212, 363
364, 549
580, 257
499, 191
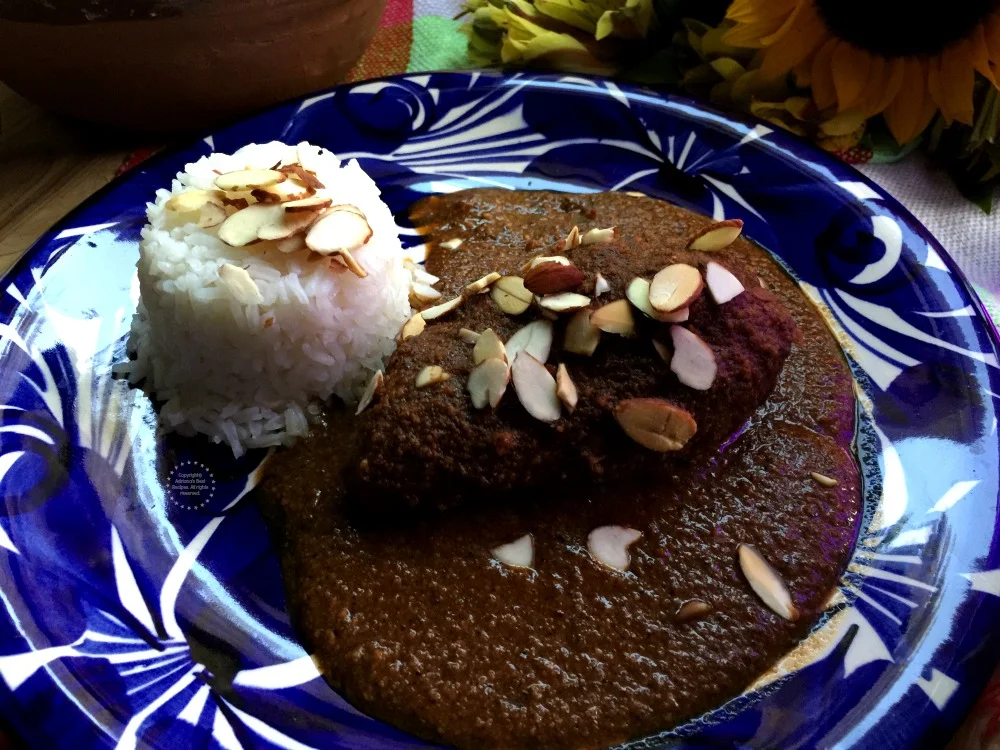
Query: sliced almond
413, 327
242, 227
535, 387
598, 236
452, 244
249, 179
444, 308
824, 480
488, 382
285, 225
510, 295
517, 554
656, 424
338, 230
716, 236
662, 350
480, 284
582, 337
374, 387
553, 278
312, 203
692, 610
562, 260
566, 388
766, 583
422, 293
677, 316
468, 335
721, 283
303, 175
240, 285
192, 200
211, 215
419, 273
430, 375
573, 238
564, 303
489, 346
637, 293
292, 244
352, 264
308, 156
609, 545
535, 339
601, 285
694, 361
615, 317
674, 287
283, 192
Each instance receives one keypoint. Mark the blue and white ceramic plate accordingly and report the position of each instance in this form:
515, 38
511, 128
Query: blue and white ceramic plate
132, 618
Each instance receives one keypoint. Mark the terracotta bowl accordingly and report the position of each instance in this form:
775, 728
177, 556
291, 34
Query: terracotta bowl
170, 65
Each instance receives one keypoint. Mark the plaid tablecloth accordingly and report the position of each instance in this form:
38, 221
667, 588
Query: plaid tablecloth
421, 35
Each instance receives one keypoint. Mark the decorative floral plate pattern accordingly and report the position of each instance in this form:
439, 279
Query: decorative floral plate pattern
142, 604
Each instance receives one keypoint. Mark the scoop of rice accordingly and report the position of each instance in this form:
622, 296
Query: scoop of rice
252, 375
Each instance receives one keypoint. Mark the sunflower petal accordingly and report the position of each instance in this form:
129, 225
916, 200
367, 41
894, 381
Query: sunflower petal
800, 40
991, 32
913, 107
751, 11
895, 70
981, 54
957, 79
824, 92
850, 74
751, 34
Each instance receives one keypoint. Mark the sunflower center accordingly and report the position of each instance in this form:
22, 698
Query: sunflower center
902, 27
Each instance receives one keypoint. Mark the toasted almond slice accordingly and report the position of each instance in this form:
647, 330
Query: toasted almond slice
312, 203
535, 387
240, 285
721, 283
283, 192
374, 387
517, 554
444, 308
694, 361
430, 375
564, 303
413, 327
677, 316
692, 609
418, 273
766, 583
422, 293
540, 259
566, 388
452, 244
535, 339
308, 156
824, 480
480, 284
609, 545
249, 179
285, 225
716, 236
635, 194
339, 229
551, 277
468, 335
601, 285
598, 236
489, 346
211, 215
615, 317
303, 175
638, 294
510, 295
573, 238
582, 337
674, 287
656, 424
662, 350
352, 264
192, 200
291, 244
242, 227
488, 382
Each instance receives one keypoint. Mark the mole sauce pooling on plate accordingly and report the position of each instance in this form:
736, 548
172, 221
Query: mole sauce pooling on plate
416, 623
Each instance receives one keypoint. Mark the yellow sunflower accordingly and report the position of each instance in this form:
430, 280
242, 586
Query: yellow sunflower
862, 58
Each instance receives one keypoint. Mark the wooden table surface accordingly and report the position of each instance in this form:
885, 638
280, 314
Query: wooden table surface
48, 165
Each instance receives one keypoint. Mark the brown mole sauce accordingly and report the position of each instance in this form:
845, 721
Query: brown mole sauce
416, 624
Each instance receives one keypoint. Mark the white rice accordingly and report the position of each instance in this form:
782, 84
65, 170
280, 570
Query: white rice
210, 359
